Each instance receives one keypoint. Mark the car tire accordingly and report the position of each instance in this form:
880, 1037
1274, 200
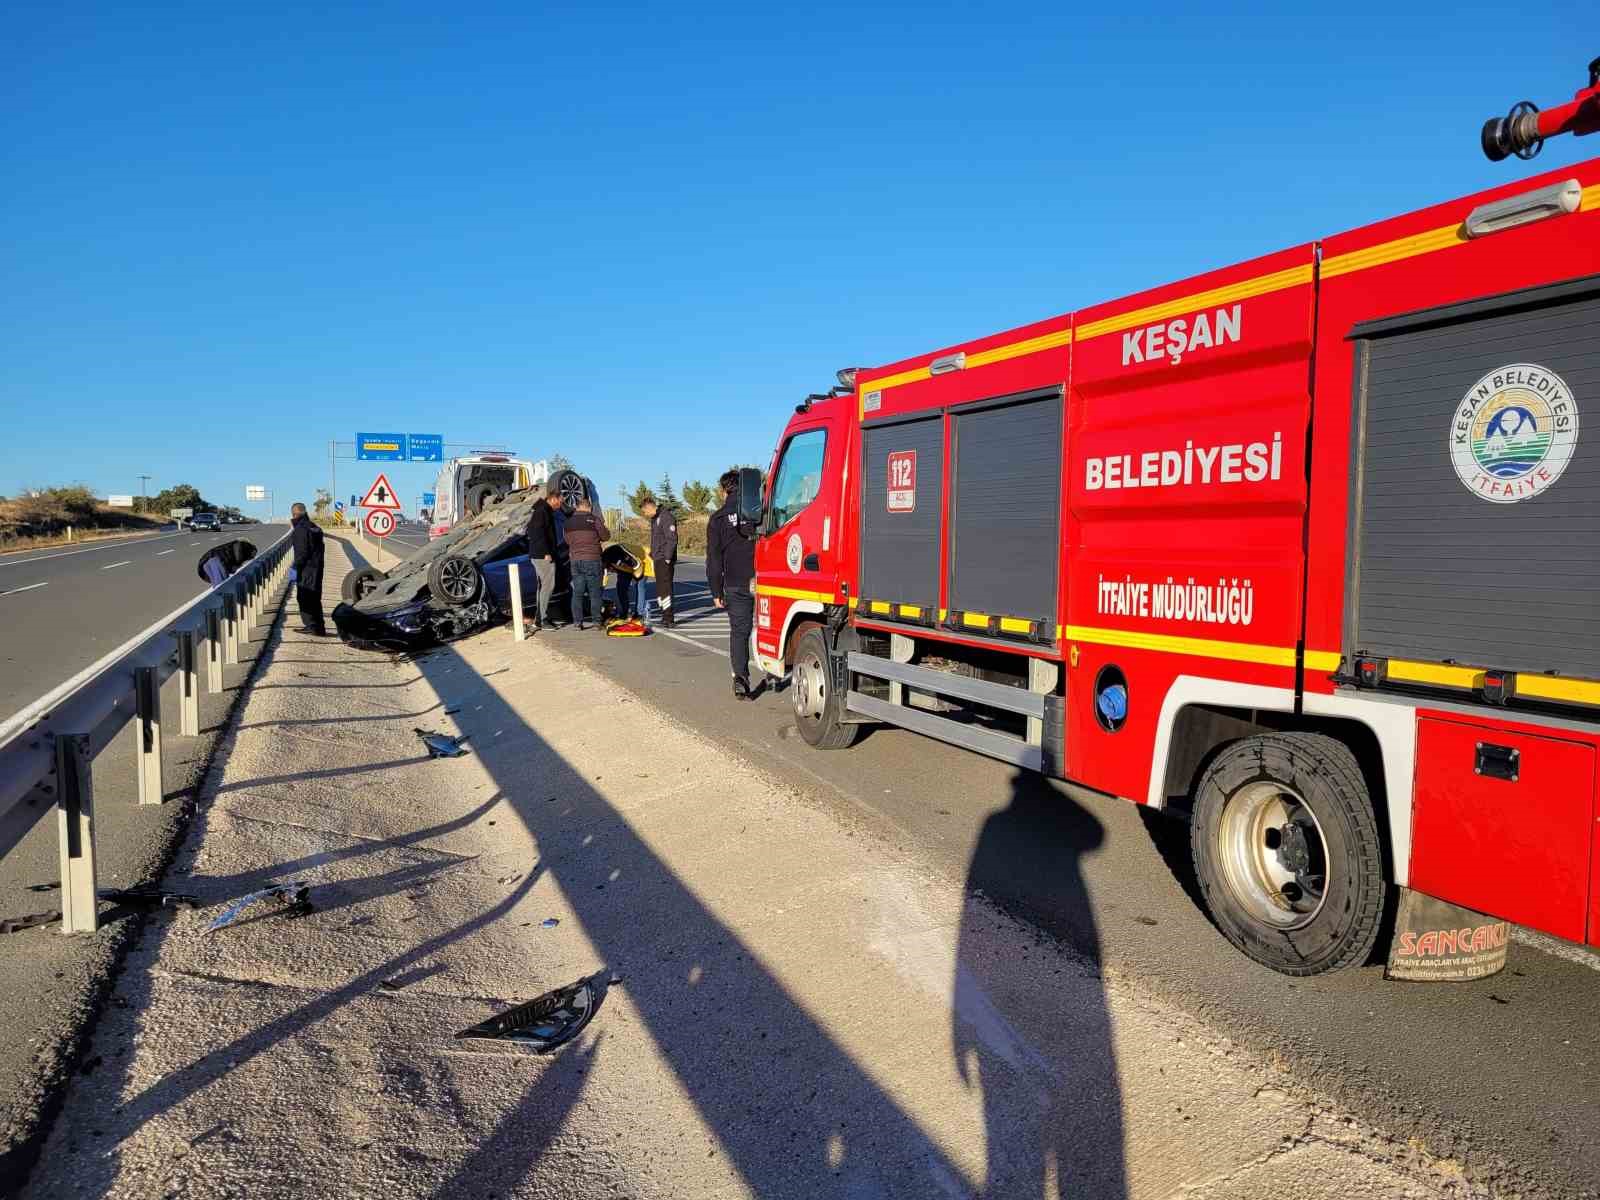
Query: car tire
358, 585
570, 487
454, 580
477, 497
819, 707
1287, 852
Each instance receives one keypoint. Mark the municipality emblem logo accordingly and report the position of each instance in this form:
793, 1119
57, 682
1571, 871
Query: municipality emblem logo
1514, 433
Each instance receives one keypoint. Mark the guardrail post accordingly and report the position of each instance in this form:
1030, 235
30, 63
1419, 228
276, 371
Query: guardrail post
230, 631
213, 651
75, 833
188, 685
515, 575
147, 733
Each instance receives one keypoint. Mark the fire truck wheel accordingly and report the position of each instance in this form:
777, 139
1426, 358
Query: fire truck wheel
818, 706
358, 584
454, 580
1286, 848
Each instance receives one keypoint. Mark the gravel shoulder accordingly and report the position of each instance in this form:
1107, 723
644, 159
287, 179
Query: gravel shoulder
800, 1008
55, 985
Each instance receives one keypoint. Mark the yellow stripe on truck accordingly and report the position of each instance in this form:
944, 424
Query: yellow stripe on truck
1444, 237
767, 589
1274, 656
1261, 285
1553, 687
1439, 674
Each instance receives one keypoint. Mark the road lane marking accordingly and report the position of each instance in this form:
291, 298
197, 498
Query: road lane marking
29, 588
689, 641
113, 566
110, 544
159, 553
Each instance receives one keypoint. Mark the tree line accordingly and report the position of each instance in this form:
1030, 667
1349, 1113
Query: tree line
697, 496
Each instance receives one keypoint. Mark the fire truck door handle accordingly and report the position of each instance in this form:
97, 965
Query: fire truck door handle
812, 563
1497, 762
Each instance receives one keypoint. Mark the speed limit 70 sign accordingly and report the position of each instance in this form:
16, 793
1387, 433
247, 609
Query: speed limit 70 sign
380, 522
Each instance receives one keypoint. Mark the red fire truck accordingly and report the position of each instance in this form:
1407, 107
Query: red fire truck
1308, 546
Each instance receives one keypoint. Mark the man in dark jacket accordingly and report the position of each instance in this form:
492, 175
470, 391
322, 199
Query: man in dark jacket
306, 539
585, 532
731, 572
663, 552
542, 541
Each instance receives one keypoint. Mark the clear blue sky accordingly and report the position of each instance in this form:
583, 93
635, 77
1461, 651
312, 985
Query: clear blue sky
638, 236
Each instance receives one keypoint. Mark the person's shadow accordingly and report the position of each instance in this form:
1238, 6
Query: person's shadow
1042, 1054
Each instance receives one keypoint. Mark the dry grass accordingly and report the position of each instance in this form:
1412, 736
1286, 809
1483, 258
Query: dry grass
43, 517
634, 533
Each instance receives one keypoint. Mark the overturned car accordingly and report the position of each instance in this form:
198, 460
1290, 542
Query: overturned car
461, 582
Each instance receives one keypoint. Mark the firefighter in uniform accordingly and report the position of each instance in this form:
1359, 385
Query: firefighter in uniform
731, 571
663, 554
306, 539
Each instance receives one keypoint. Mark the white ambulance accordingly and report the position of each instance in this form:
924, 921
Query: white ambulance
466, 484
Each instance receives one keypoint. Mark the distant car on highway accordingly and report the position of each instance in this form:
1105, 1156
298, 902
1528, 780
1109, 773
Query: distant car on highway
205, 522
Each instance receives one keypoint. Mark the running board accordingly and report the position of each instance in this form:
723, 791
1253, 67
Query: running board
946, 683
984, 741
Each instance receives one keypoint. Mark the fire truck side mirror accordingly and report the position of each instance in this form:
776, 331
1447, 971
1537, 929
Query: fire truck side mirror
750, 495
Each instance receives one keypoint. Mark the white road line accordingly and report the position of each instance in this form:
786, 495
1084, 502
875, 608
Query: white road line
197, 543
159, 553
688, 641
112, 566
29, 588
111, 544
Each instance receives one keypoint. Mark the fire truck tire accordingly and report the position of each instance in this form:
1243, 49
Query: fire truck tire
454, 580
357, 584
1286, 849
818, 706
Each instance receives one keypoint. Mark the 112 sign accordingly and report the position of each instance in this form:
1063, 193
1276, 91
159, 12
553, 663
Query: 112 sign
903, 481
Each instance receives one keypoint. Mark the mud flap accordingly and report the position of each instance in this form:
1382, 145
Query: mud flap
1439, 942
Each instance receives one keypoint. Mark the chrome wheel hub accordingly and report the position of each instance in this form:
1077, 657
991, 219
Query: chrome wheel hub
810, 687
1274, 859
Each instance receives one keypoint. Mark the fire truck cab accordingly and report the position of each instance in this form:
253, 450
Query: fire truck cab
1308, 546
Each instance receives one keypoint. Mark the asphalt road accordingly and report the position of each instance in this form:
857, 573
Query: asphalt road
63, 608
1500, 1071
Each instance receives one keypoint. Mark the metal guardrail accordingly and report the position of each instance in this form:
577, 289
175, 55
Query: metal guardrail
47, 750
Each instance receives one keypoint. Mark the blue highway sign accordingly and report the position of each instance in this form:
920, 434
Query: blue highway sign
381, 447
426, 447
427, 499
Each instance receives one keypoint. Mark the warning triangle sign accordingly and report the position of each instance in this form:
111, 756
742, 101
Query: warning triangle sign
381, 495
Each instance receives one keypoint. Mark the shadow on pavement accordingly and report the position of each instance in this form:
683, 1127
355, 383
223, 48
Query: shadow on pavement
798, 1115
1051, 1131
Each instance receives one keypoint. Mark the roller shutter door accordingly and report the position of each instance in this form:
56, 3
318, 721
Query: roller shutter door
900, 544
1005, 521
1477, 502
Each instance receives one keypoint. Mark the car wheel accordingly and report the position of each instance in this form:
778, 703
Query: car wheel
818, 705
477, 496
455, 580
1286, 849
570, 487
359, 584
